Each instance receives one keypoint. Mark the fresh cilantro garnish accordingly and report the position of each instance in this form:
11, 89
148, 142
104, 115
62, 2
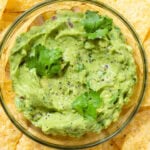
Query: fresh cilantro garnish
46, 62
106, 23
95, 25
91, 21
97, 34
87, 103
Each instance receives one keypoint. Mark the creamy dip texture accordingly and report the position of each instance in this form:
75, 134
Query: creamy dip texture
73, 74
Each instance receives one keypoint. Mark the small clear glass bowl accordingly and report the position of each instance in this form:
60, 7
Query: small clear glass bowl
32, 17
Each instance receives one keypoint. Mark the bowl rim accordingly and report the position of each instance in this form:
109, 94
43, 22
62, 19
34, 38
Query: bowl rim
142, 52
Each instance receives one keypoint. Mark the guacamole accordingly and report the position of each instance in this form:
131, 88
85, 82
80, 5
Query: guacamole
73, 74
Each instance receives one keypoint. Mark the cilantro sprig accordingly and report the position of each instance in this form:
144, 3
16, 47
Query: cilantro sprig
96, 26
87, 103
46, 62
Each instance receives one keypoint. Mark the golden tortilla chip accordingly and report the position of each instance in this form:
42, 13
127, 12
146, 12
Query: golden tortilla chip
7, 19
139, 138
146, 102
109, 145
2, 6
147, 50
3, 25
9, 134
27, 144
2, 33
19, 5
140, 119
147, 36
99, 147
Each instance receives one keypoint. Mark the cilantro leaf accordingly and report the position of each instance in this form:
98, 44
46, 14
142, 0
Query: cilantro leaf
46, 62
90, 112
100, 33
80, 103
87, 103
96, 26
106, 23
91, 21
94, 98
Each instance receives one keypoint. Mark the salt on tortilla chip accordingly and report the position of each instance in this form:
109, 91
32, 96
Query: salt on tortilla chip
27, 144
9, 134
19, 5
139, 138
140, 119
2, 6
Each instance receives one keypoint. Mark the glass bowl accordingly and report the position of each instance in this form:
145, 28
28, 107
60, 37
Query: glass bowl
33, 17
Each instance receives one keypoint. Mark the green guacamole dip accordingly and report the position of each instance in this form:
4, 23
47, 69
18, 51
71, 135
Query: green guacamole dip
73, 74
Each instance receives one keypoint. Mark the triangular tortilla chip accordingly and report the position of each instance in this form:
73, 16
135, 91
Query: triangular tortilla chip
2, 6
139, 138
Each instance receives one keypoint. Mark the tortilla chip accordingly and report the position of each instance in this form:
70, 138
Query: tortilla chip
146, 102
147, 36
139, 138
4, 24
27, 144
99, 147
2, 33
109, 145
2, 6
9, 134
140, 119
147, 50
19, 5
7, 19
